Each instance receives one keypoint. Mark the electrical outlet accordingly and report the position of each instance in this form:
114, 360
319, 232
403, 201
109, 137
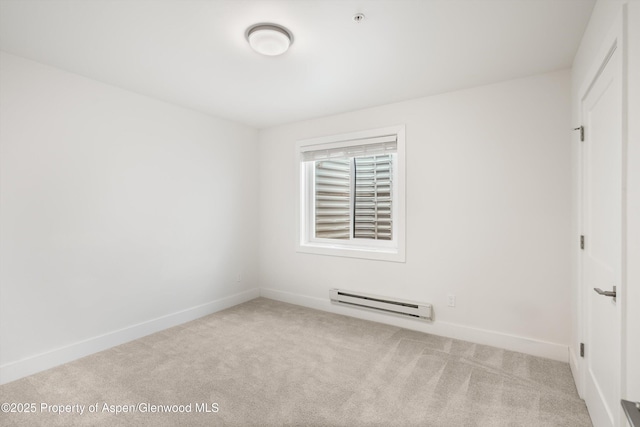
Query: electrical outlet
451, 300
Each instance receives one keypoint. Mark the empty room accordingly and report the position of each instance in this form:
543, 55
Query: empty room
320, 213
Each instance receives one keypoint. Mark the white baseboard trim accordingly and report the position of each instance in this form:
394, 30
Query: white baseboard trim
33, 364
520, 344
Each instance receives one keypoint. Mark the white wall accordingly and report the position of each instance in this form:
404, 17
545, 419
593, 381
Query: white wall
488, 214
603, 17
118, 211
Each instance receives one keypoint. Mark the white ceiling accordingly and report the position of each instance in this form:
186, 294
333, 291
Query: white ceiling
194, 53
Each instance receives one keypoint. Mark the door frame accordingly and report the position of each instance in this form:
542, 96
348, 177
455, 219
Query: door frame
615, 40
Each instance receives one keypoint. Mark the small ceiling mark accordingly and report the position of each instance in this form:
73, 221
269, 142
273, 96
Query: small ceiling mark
358, 18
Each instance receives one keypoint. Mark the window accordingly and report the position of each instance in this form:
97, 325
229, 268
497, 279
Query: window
352, 195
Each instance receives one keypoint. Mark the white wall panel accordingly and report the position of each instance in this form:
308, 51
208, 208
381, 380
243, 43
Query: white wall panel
116, 209
488, 208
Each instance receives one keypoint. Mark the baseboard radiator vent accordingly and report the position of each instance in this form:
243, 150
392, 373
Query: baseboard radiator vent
372, 302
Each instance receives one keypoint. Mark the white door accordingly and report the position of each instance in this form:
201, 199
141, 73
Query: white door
602, 228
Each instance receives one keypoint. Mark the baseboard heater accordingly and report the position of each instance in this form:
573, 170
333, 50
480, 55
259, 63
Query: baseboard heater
378, 303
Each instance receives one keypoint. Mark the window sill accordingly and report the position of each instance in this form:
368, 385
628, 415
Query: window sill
377, 254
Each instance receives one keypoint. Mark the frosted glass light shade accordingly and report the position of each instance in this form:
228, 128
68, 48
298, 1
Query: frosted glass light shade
269, 39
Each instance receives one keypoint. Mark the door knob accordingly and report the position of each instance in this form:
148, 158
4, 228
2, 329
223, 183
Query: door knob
606, 293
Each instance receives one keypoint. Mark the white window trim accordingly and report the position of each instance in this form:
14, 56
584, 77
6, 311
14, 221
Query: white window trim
375, 250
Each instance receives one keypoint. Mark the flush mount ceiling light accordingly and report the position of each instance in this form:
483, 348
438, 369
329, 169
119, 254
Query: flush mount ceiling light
269, 39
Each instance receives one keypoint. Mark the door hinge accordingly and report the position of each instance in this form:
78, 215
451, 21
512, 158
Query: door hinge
582, 242
581, 129
581, 349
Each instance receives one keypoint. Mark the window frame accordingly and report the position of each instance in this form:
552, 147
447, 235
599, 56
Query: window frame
384, 250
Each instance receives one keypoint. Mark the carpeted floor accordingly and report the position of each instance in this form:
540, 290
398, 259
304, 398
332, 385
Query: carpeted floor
266, 363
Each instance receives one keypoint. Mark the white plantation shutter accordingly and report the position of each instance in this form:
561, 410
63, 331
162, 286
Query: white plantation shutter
373, 197
353, 188
333, 199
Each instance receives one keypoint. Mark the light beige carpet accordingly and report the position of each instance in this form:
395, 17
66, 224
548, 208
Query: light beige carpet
267, 363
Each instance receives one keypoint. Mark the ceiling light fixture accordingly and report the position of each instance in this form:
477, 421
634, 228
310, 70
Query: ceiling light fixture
269, 39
